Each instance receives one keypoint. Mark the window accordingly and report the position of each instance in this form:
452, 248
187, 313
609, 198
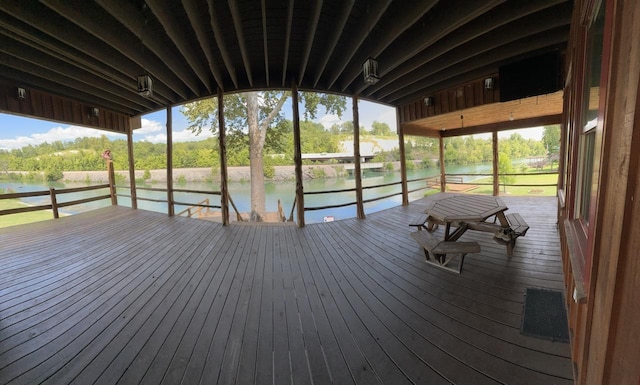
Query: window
590, 111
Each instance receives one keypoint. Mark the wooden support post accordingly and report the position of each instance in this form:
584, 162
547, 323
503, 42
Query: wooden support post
132, 170
496, 179
54, 202
357, 172
112, 182
403, 160
443, 175
222, 144
297, 155
170, 162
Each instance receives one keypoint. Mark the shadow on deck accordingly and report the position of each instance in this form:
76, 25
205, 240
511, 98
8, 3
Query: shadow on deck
135, 297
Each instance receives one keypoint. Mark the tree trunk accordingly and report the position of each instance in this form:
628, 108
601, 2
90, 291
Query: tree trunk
256, 145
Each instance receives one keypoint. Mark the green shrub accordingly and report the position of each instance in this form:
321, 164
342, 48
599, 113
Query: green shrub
428, 163
181, 180
318, 173
269, 171
146, 175
120, 179
389, 166
53, 174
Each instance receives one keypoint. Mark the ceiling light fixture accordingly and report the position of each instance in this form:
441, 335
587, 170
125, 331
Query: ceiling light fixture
428, 101
488, 83
370, 71
94, 112
145, 86
22, 93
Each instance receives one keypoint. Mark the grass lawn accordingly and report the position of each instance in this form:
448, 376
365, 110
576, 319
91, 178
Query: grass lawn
22, 218
531, 179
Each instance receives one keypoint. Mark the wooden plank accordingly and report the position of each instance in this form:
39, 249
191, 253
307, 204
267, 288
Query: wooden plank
343, 302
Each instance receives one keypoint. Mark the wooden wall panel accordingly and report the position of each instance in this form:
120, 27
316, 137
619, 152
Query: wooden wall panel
449, 100
41, 105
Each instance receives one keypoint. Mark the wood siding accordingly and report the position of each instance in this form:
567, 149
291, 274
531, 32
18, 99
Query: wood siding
42, 105
603, 325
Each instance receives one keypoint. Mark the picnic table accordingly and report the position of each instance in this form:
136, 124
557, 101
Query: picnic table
459, 213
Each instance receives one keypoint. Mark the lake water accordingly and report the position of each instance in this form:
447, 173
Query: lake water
284, 191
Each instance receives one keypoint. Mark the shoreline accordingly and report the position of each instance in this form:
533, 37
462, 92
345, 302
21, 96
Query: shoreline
234, 174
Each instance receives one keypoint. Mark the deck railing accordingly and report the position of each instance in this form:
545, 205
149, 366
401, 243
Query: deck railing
458, 180
53, 194
191, 206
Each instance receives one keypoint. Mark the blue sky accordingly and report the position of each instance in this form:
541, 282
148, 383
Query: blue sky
17, 131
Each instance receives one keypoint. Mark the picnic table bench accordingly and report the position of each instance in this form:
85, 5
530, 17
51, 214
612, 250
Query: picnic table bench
443, 253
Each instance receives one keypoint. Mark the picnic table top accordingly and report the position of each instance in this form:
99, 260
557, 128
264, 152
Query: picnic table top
449, 207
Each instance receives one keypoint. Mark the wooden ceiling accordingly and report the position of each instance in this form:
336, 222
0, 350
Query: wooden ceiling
93, 51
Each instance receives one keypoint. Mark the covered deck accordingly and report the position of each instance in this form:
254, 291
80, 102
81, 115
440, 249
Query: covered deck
135, 297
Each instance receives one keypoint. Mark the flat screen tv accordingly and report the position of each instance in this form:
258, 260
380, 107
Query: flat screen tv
537, 75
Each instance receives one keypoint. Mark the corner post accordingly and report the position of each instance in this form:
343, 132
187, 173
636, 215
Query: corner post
496, 176
443, 175
112, 177
357, 172
297, 155
132, 169
170, 161
222, 144
403, 160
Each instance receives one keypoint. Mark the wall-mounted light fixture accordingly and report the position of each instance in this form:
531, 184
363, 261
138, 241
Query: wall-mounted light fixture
22, 93
94, 112
370, 71
428, 101
145, 85
488, 84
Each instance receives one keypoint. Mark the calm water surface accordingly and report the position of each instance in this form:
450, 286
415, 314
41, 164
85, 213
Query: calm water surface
240, 193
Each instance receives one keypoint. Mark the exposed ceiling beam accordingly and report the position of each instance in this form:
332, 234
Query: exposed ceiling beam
81, 15
529, 23
44, 83
244, 51
393, 25
31, 60
536, 44
287, 42
72, 36
355, 38
197, 23
332, 42
437, 59
133, 19
219, 36
51, 51
178, 34
444, 22
311, 33
265, 42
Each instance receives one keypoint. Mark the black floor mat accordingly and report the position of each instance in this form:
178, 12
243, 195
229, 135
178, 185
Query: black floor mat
545, 315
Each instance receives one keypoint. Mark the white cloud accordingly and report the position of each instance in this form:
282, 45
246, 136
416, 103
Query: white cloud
154, 131
150, 126
63, 134
329, 120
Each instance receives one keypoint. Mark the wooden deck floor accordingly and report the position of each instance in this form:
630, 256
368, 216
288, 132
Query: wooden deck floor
135, 297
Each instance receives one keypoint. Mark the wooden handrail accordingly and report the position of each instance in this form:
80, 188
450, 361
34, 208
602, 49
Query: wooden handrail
53, 193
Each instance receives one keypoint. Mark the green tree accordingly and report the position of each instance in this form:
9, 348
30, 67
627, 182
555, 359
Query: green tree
378, 128
505, 167
248, 116
551, 139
